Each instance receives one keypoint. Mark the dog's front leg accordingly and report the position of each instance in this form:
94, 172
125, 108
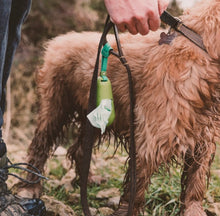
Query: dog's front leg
193, 181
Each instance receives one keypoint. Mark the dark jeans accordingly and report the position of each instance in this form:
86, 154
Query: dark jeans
12, 16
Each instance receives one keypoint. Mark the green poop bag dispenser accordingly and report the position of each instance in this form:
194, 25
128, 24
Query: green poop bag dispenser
104, 91
104, 88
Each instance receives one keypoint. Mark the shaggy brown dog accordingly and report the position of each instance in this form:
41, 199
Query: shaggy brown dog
177, 90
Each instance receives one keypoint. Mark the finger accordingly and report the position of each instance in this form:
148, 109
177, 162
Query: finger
131, 26
154, 21
121, 27
142, 27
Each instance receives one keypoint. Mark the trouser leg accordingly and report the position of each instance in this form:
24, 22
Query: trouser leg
19, 11
5, 11
12, 16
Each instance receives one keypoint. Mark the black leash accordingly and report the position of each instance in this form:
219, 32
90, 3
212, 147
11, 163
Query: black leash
132, 146
89, 138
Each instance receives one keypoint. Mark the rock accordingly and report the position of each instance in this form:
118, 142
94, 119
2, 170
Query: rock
66, 164
74, 198
105, 211
67, 178
60, 151
215, 208
53, 183
113, 201
57, 208
96, 179
93, 211
216, 172
112, 192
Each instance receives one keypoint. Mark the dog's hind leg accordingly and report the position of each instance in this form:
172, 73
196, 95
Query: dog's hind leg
56, 111
193, 181
141, 185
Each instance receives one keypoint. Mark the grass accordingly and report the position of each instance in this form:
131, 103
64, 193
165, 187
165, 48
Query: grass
162, 197
57, 171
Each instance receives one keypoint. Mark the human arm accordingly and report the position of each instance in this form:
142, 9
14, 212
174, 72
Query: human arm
137, 16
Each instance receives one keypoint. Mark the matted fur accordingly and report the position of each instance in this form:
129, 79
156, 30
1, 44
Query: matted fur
177, 91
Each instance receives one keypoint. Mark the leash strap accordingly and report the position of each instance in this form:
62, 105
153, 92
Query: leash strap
89, 138
132, 146
4, 172
182, 29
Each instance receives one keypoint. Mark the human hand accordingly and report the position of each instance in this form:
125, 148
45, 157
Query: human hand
137, 16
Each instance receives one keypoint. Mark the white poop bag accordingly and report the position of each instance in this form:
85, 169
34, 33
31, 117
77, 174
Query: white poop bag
99, 116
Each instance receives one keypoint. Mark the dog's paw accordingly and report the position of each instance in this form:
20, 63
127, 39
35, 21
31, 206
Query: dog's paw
194, 209
123, 210
210, 213
27, 190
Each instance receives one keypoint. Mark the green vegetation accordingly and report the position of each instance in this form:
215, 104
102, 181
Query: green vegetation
162, 197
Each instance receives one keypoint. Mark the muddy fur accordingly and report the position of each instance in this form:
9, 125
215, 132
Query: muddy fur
177, 91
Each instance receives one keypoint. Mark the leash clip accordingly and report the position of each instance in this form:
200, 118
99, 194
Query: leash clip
179, 24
